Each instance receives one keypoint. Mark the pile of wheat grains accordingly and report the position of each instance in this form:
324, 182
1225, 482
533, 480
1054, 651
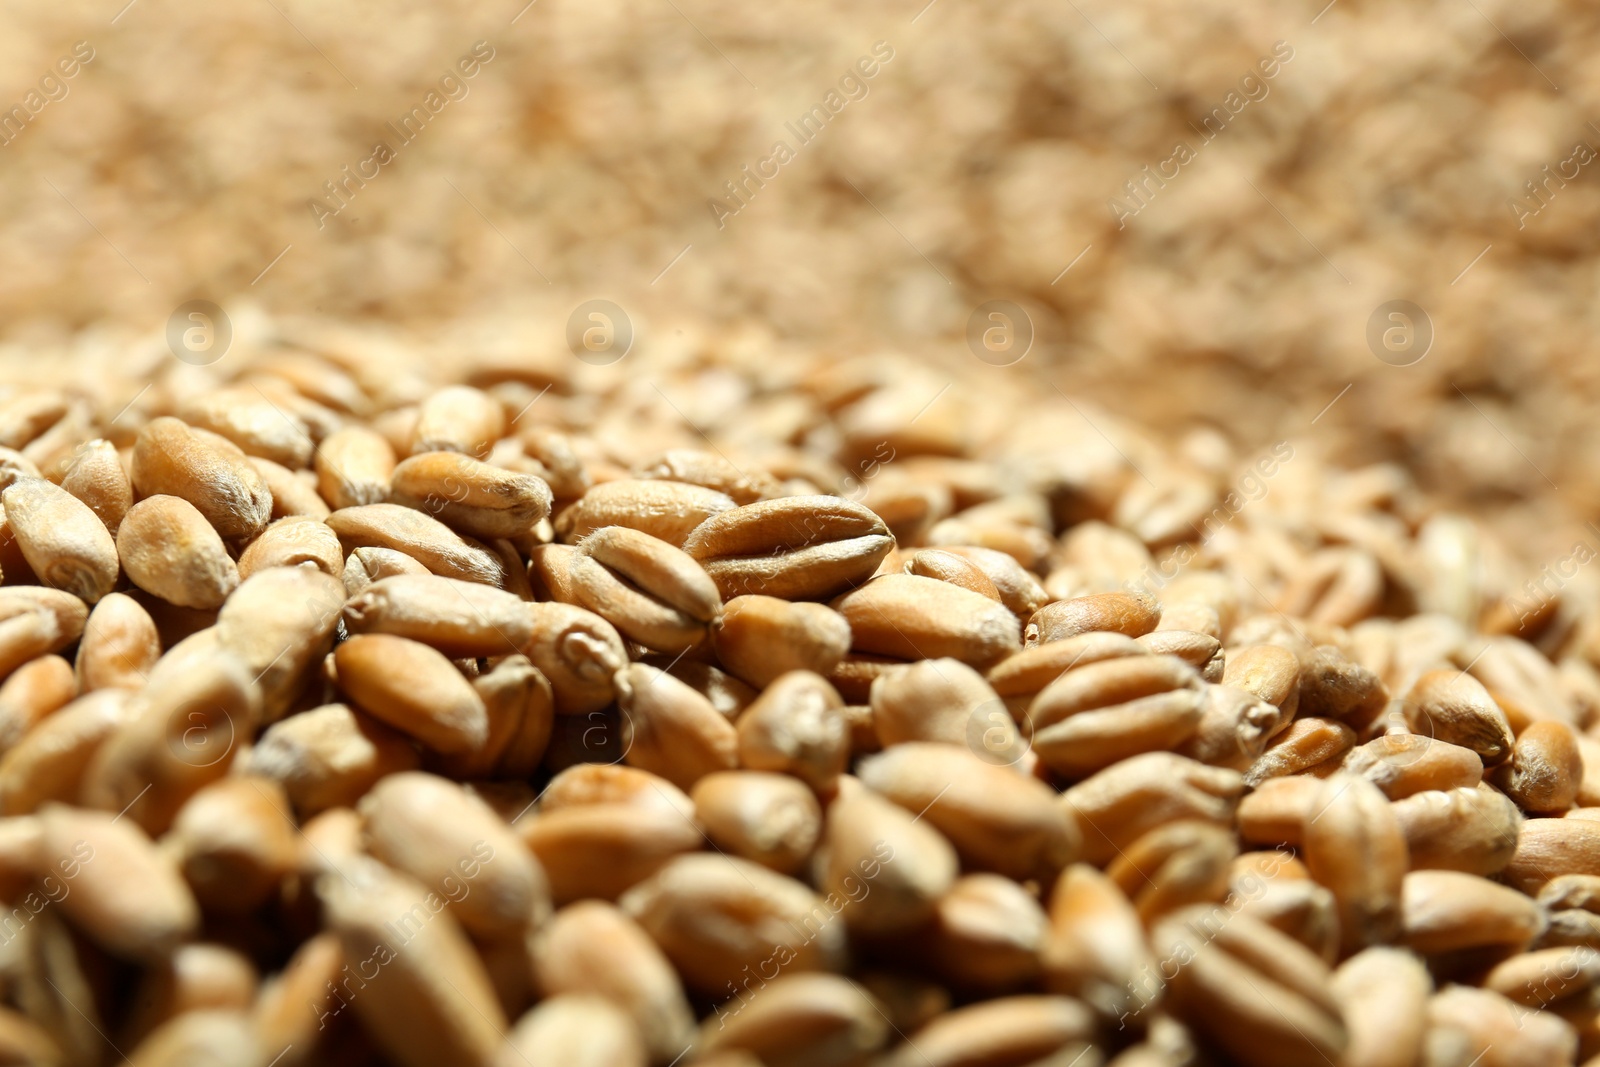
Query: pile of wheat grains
738, 704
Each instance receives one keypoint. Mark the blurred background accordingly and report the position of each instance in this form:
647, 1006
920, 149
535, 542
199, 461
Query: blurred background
1202, 207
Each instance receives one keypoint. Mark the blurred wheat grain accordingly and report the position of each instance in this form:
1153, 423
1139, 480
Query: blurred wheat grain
980, 163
